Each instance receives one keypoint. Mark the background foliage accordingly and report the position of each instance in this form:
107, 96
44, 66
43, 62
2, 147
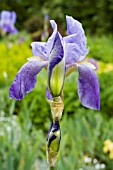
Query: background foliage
92, 14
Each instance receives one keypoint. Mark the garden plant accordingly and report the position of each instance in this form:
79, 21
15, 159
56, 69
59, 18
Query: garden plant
60, 56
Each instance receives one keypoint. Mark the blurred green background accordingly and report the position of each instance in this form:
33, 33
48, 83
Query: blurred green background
24, 124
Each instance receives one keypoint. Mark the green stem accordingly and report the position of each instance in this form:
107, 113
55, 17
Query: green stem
54, 134
53, 168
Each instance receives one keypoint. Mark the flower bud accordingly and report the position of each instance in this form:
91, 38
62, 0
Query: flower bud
56, 65
53, 143
56, 80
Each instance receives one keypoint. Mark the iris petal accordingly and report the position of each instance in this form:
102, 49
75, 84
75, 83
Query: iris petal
57, 52
52, 37
39, 49
75, 42
88, 87
13, 17
54, 25
73, 53
75, 48
56, 67
48, 94
73, 26
25, 79
5, 15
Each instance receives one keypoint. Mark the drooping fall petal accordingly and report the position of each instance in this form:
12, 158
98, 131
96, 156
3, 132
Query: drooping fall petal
25, 79
88, 87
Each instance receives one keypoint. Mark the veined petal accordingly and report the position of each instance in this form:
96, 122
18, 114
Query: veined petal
73, 26
80, 41
56, 67
75, 48
76, 41
88, 87
39, 49
57, 53
74, 53
52, 37
25, 79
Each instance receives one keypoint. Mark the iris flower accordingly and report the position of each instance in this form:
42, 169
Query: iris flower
7, 21
60, 56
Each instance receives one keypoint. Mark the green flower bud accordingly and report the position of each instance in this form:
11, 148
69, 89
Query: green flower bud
56, 81
53, 143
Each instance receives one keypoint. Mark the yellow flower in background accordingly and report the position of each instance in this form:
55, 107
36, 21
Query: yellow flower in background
108, 147
111, 155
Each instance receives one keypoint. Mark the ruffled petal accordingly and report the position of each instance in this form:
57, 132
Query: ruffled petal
73, 26
39, 49
75, 48
25, 79
74, 53
88, 87
76, 41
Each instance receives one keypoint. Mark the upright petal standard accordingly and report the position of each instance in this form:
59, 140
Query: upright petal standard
56, 67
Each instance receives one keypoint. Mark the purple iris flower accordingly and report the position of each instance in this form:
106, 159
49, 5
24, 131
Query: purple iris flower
60, 56
7, 21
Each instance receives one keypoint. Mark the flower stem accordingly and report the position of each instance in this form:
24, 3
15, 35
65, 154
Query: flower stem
52, 168
54, 134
